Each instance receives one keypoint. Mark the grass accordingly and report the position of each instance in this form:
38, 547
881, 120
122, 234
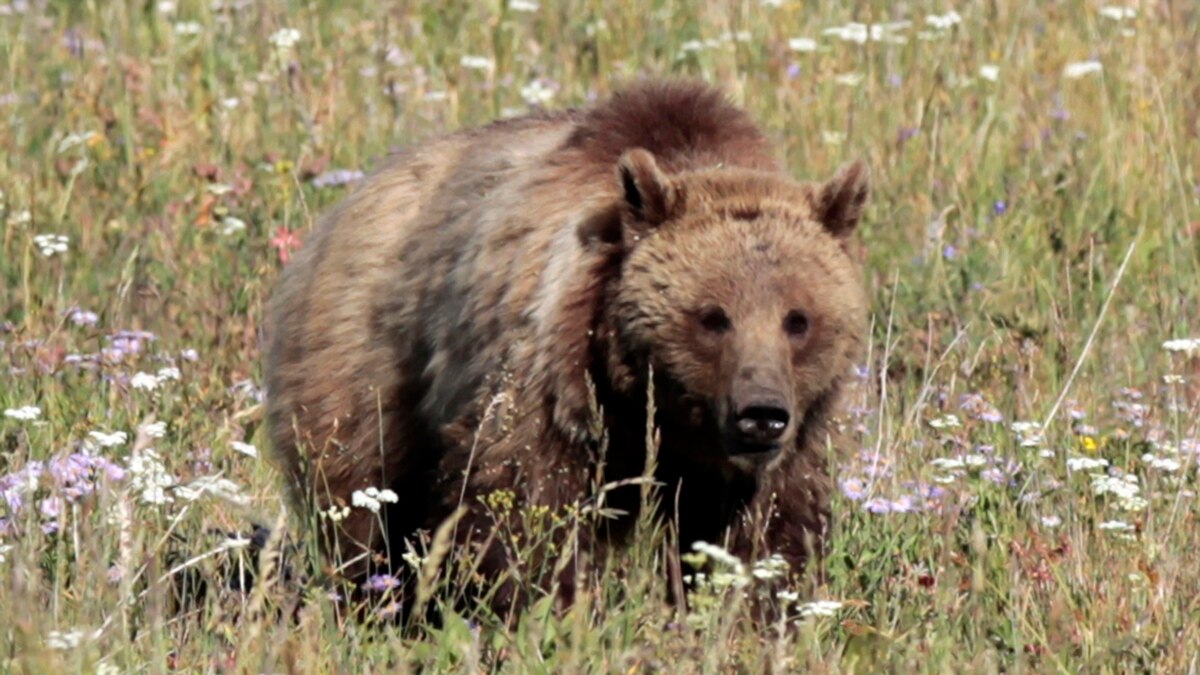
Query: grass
180, 150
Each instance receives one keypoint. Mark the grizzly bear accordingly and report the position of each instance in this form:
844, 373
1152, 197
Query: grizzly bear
489, 312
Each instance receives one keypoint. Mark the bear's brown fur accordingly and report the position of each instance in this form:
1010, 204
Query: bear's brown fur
449, 329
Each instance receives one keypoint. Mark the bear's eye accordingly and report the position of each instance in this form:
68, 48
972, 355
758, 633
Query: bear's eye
795, 323
715, 319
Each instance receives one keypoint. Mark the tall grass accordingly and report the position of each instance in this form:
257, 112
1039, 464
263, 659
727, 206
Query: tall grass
182, 148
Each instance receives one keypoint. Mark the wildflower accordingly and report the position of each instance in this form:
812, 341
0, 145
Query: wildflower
70, 639
285, 241
989, 72
1186, 345
788, 596
948, 463
154, 429
51, 244
476, 62
802, 45
222, 488
1086, 463
337, 177
849, 79
149, 477
1051, 521
820, 608
945, 422
770, 568
1172, 379
5, 549
189, 355
538, 92
81, 317
878, 506
231, 225
523, 6
1168, 464
944, 21
833, 137
188, 28
25, 413
717, 553
336, 513
244, 448
372, 498
1116, 526
860, 33
1118, 13
854, 488
284, 38
1000, 207
144, 381
380, 583
1074, 71
106, 440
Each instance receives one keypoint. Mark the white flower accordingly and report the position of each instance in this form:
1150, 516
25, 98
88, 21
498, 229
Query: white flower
1162, 463
25, 413
1185, 345
230, 103
285, 38
144, 381
849, 79
948, 463
1116, 526
1086, 463
20, 218
371, 498
975, 461
231, 225
214, 485
989, 72
802, 45
945, 422
244, 448
476, 62
166, 7
772, 3
167, 374
788, 596
944, 21
833, 137
1118, 13
537, 93
1074, 71
74, 139
336, 513
50, 244
820, 608
106, 440
1051, 521
188, 28
154, 429
70, 639
717, 553
4, 551
859, 33
148, 476
523, 6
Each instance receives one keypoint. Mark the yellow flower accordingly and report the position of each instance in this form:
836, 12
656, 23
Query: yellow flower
1089, 444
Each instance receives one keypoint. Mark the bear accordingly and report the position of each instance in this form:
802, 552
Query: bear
498, 310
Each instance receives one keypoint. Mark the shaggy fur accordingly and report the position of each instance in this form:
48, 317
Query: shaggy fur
450, 328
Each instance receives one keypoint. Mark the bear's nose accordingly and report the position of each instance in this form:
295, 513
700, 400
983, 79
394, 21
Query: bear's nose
762, 423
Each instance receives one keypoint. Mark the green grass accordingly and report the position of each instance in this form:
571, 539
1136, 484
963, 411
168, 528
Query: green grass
969, 298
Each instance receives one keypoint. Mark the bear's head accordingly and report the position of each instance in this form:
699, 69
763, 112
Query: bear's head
742, 291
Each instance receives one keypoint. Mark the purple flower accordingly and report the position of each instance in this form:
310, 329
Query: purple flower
878, 505
949, 252
854, 488
81, 317
126, 342
337, 177
793, 70
380, 583
903, 505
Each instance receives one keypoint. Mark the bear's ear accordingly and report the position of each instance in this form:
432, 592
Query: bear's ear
646, 191
839, 202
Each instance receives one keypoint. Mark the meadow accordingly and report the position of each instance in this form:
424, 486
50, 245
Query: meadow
1020, 494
